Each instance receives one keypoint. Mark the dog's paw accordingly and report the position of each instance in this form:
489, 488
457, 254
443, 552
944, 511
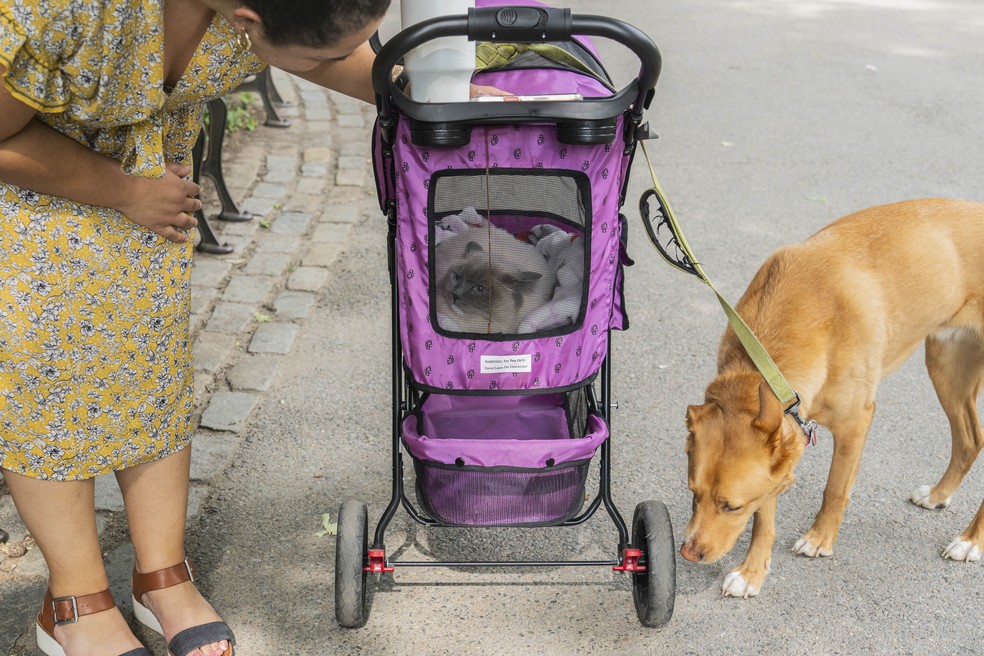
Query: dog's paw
964, 550
806, 547
735, 585
920, 497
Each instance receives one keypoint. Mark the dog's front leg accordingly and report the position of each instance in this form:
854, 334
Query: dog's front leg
849, 441
746, 581
970, 545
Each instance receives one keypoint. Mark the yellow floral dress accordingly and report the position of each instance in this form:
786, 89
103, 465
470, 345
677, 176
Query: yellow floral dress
95, 353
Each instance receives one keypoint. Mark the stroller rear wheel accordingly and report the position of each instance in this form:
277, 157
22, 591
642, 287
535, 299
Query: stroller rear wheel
351, 554
654, 590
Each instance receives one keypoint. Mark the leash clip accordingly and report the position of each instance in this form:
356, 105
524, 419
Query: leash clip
809, 427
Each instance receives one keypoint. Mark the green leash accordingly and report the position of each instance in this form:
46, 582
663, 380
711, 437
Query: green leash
675, 250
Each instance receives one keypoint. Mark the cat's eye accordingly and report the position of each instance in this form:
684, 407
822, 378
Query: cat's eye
455, 278
479, 289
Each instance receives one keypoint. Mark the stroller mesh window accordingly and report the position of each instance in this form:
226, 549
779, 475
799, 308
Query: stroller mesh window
508, 251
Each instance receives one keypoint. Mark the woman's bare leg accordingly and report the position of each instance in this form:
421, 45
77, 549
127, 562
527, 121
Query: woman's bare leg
156, 498
61, 517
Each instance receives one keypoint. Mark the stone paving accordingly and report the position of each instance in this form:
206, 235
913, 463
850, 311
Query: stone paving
307, 185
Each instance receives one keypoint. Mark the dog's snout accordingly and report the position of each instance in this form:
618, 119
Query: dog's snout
691, 552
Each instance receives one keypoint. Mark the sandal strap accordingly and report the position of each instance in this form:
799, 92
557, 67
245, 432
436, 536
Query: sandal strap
197, 637
140, 651
67, 610
162, 578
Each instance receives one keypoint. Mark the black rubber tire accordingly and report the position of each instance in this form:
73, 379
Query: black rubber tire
654, 591
351, 556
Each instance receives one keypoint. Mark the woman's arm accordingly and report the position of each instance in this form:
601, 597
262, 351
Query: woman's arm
37, 157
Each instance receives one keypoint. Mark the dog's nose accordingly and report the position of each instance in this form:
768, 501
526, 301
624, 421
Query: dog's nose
691, 553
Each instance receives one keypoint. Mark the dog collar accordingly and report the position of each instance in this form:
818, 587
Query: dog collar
809, 427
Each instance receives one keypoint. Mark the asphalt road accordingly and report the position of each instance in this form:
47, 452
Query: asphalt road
775, 117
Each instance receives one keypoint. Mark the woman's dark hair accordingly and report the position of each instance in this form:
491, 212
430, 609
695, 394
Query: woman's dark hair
314, 23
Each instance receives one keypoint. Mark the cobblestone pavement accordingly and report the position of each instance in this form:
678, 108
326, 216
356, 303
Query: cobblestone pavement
306, 185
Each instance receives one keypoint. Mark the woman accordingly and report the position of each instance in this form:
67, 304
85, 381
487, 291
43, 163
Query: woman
100, 105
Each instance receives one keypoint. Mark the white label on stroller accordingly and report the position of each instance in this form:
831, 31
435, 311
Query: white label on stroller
506, 364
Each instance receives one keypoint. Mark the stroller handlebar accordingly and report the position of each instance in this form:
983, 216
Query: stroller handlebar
519, 24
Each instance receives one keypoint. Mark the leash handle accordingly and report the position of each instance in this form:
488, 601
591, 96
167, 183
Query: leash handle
675, 250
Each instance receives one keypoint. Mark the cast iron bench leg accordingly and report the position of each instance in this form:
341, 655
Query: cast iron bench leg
209, 243
262, 83
212, 161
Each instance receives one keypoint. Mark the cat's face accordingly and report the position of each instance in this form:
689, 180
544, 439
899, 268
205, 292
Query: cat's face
483, 295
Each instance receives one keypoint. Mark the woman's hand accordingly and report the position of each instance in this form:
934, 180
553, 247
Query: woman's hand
165, 205
479, 90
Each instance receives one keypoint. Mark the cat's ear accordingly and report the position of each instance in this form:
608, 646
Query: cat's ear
473, 247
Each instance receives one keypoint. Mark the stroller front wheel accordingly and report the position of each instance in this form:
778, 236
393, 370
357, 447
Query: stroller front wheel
654, 590
351, 558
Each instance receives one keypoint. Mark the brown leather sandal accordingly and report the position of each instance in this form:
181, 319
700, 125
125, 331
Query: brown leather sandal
190, 639
68, 610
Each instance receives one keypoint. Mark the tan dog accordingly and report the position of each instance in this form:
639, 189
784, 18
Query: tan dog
837, 314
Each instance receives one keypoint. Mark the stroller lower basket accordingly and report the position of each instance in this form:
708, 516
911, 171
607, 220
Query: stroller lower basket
502, 461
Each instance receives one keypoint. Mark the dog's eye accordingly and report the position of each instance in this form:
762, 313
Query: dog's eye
728, 508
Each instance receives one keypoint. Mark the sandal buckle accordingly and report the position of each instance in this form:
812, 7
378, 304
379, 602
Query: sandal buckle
54, 611
190, 568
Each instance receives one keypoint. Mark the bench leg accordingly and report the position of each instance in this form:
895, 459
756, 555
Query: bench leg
209, 243
212, 161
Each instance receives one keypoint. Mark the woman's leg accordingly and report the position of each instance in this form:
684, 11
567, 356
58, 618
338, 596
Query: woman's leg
156, 498
61, 517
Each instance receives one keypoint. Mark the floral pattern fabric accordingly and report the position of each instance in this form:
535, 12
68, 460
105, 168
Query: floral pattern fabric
95, 352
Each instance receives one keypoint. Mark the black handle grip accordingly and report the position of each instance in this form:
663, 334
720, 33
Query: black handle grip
519, 24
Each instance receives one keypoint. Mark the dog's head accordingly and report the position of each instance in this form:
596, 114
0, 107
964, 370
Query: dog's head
741, 454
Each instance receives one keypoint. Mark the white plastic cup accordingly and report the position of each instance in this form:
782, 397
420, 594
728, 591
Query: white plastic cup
441, 69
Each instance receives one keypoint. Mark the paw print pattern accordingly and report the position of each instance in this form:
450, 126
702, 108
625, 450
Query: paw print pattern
427, 371
471, 374
425, 155
585, 165
471, 347
559, 342
563, 153
536, 357
450, 359
428, 344
471, 155
449, 386
517, 153
493, 385
540, 139
557, 368
494, 140
515, 346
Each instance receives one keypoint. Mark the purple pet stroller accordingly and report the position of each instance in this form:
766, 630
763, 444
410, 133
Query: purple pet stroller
506, 255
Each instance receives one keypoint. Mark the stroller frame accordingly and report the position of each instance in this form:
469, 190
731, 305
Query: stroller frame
645, 551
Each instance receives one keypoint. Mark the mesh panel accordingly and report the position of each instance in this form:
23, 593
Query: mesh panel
500, 497
539, 193
509, 251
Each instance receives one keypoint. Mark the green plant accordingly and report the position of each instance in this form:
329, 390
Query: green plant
240, 116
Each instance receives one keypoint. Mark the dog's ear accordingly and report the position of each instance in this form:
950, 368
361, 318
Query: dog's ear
782, 442
694, 413
769, 419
